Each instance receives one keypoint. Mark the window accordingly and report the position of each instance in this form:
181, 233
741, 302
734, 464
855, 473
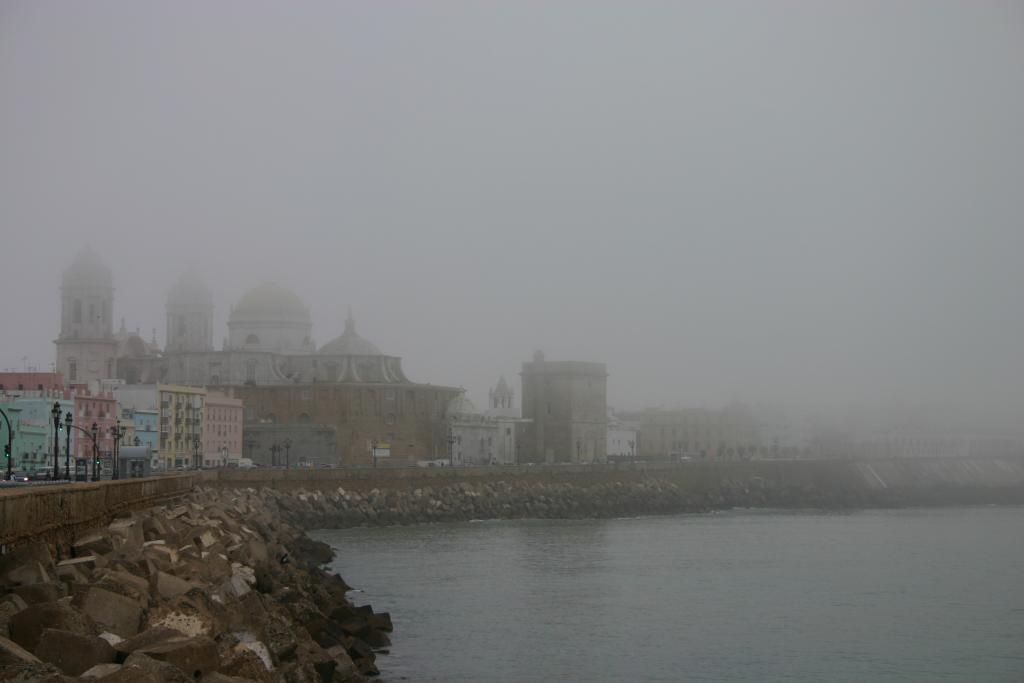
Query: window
76, 311
252, 339
72, 369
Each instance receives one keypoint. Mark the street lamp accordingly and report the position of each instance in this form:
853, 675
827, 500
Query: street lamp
195, 452
95, 453
274, 450
55, 412
117, 431
373, 452
287, 443
7, 446
68, 419
579, 447
451, 448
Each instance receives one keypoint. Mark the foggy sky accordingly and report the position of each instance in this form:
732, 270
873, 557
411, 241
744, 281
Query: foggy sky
805, 203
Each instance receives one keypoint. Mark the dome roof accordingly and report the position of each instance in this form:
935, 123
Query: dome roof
461, 405
350, 343
270, 302
87, 270
190, 291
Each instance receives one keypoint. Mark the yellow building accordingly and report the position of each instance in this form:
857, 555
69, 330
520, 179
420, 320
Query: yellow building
181, 424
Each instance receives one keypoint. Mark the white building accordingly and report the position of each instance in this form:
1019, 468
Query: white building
622, 437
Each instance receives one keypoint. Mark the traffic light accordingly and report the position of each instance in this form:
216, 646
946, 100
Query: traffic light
7, 451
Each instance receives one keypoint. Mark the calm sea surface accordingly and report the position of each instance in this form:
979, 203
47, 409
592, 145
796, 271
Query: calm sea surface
909, 595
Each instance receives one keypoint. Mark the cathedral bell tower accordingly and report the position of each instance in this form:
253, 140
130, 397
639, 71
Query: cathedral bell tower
189, 316
86, 347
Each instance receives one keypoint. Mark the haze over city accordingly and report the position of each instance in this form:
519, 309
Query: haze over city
815, 206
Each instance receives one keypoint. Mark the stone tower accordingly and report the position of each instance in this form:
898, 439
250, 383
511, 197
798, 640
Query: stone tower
86, 347
502, 400
189, 316
566, 403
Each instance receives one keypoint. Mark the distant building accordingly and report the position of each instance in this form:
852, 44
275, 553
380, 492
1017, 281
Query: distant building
475, 437
16, 382
566, 403
623, 437
86, 348
181, 411
143, 425
93, 406
290, 445
32, 428
222, 432
696, 433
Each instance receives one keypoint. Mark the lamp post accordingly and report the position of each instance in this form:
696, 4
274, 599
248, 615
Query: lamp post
117, 431
274, 450
68, 419
55, 412
287, 443
451, 448
579, 447
195, 453
95, 453
95, 449
7, 446
373, 452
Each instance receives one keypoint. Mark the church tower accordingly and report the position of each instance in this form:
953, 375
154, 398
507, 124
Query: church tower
502, 396
86, 346
189, 316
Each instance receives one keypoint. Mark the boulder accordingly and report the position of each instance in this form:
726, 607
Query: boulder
195, 656
144, 669
147, 637
27, 625
12, 653
101, 671
73, 653
111, 611
31, 553
96, 543
169, 586
46, 591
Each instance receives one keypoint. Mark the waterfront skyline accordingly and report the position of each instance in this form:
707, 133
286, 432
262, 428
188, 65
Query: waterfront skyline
715, 220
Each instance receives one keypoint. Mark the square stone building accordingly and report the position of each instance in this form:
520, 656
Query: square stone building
567, 404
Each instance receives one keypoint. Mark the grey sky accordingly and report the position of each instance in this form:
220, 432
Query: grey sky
803, 202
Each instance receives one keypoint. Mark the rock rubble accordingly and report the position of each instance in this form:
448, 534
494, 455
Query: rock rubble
219, 586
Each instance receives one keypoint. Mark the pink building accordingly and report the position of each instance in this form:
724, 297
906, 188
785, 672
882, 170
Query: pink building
99, 407
30, 381
222, 430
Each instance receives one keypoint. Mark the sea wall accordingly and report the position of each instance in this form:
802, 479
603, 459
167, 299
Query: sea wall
58, 513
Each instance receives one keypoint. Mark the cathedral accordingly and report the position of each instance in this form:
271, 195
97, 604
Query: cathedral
268, 359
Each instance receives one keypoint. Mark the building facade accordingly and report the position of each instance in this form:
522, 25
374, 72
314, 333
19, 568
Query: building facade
94, 407
290, 445
698, 433
32, 432
222, 430
623, 437
566, 405
86, 348
17, 382
181, 425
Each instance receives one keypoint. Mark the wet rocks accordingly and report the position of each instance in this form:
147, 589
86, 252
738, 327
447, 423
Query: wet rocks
218, 586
